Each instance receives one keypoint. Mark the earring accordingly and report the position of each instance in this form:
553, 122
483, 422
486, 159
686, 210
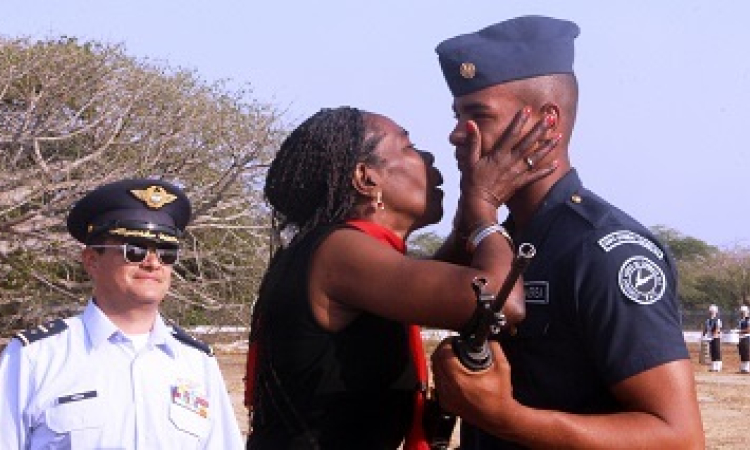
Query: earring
379, 200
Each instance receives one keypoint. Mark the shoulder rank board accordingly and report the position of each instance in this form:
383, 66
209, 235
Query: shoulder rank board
180, 334
42, 331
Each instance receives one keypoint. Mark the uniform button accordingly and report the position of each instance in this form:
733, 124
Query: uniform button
575, 198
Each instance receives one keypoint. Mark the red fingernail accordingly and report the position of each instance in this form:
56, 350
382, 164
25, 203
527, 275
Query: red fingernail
550, 120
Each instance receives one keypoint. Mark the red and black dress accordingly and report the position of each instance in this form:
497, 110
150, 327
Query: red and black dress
352, 389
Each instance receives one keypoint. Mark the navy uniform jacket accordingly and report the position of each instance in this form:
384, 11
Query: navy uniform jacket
601, 306
744, 325
712, 327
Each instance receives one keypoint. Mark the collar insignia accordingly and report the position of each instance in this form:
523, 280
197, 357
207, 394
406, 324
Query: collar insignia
154, 196
468, 70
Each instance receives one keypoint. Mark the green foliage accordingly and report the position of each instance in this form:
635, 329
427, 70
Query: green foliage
708, 275
74, 115
423, 245
684, 248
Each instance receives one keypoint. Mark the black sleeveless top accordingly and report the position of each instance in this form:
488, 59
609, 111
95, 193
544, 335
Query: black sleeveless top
352, 389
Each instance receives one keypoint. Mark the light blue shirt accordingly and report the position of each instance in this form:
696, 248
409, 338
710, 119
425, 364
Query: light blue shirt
87, 388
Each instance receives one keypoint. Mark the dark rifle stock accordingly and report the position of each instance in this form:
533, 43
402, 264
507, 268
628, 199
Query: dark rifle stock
471, 346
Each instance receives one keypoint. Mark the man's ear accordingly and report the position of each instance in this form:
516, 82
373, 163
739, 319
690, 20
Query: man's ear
365, 179
89, 258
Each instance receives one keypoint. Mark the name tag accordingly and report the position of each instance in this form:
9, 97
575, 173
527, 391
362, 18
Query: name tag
75, 397
537, 292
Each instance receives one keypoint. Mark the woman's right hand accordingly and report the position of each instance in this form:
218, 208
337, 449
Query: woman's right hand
510, 164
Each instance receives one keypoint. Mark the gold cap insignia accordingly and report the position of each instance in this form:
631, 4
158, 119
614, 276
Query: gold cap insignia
468, 70
154, 196
575, 198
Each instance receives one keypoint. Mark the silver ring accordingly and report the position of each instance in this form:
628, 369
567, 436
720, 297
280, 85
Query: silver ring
529, 163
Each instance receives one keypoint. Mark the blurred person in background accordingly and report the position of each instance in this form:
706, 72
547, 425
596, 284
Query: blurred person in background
743, 346
712, 333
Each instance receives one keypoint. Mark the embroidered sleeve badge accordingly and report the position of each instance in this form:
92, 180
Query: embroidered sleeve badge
621, 237
642, 280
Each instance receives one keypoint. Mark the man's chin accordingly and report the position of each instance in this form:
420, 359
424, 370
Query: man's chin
149, 297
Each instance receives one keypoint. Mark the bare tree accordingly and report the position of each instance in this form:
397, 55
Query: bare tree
76, 115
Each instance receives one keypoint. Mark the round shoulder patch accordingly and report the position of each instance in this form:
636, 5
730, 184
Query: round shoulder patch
642, 280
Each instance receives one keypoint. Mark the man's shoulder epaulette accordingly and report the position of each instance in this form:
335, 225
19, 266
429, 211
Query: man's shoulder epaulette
590, 207
182, 336
42, 331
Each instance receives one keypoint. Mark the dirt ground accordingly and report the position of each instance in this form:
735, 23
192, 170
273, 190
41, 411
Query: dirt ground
724, 397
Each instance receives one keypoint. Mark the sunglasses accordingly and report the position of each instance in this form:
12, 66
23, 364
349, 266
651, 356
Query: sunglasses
135, 253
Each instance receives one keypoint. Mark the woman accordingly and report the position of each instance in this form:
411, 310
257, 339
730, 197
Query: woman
347, 187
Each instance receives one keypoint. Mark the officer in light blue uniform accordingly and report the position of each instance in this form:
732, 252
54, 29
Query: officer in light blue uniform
117, 376
600, 358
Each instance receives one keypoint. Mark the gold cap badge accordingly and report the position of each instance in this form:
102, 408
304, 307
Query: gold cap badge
154, 196
468, 70
575, 198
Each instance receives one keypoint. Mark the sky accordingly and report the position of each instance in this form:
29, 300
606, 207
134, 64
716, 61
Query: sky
665, 85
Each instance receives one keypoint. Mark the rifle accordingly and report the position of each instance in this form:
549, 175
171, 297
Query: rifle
471, 346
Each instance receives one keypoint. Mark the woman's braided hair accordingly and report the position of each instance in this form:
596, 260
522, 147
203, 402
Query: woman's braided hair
309, 181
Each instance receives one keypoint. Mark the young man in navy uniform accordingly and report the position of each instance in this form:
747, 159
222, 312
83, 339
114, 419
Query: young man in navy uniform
117, 376
600, 360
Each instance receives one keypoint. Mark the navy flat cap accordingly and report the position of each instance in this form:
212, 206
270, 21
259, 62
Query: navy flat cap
132, 210
515, 49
